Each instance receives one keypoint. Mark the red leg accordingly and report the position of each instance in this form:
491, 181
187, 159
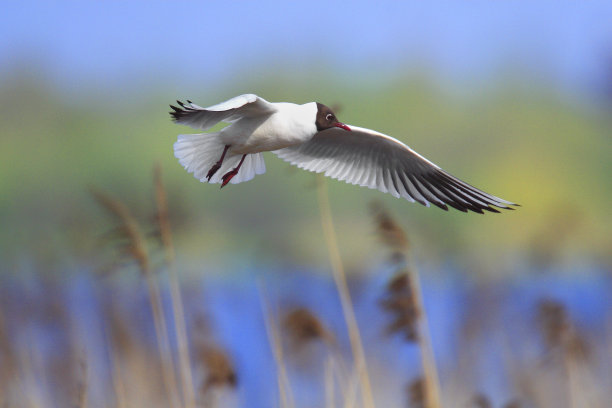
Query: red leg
217, 165
230, 174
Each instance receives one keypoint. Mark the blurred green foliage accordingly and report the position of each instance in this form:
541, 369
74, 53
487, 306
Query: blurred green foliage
522, 142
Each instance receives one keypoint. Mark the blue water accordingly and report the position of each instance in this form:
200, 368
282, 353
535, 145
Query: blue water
38, 314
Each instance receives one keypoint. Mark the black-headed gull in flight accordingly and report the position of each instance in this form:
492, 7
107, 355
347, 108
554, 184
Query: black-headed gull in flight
311, 137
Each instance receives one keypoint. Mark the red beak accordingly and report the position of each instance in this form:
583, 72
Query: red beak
342, 126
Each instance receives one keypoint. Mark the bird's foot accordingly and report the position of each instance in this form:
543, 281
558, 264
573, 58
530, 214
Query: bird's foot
213, 170
228, 176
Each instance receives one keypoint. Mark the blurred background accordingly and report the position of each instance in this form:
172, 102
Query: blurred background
512, 97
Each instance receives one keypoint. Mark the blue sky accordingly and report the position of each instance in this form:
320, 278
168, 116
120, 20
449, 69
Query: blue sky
111, 42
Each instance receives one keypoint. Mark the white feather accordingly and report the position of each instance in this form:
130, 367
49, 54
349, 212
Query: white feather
199, 152
374, 160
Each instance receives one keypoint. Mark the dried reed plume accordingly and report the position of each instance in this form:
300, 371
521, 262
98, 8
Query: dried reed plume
481, 401
131, 239
120, 334
390, 233
403, 300
133, 244
558, 332
303, 327
564, 342
400, 302
416, 393
220, 370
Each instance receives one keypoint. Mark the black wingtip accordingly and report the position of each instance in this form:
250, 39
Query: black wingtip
178, 113
458, 207
440, 205
423, 203
491, 209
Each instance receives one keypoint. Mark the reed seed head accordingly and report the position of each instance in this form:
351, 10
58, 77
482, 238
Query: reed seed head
303, 327
416, 393
481, 401
559, 332
128, 233
219, 368
400, 302
390, 232
553, 321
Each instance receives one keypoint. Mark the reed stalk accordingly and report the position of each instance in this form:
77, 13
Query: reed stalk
165, 235
118, 382
430, 372
83, 383
136, 249
284, 386
407, 301
343, 291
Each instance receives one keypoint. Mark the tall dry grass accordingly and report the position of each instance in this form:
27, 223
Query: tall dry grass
162, 221
345, 296
404, 301
568, 369
134, 246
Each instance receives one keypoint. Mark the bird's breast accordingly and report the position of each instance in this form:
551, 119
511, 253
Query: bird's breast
277, 132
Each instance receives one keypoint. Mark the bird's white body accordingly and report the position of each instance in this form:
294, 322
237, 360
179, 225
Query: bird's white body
291, 124
310, 137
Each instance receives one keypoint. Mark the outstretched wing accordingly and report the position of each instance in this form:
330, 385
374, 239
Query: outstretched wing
375, 160
246, 105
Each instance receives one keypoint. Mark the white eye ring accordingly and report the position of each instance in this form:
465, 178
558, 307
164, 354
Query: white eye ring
329, 116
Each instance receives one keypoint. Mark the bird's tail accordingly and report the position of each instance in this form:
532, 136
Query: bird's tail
198, 153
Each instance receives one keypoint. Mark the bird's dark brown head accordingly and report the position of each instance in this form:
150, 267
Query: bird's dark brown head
326, 119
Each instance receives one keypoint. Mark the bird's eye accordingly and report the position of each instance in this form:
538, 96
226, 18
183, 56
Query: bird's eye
329, 116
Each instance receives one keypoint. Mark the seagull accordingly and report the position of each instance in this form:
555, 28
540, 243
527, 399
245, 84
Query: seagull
311, 137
